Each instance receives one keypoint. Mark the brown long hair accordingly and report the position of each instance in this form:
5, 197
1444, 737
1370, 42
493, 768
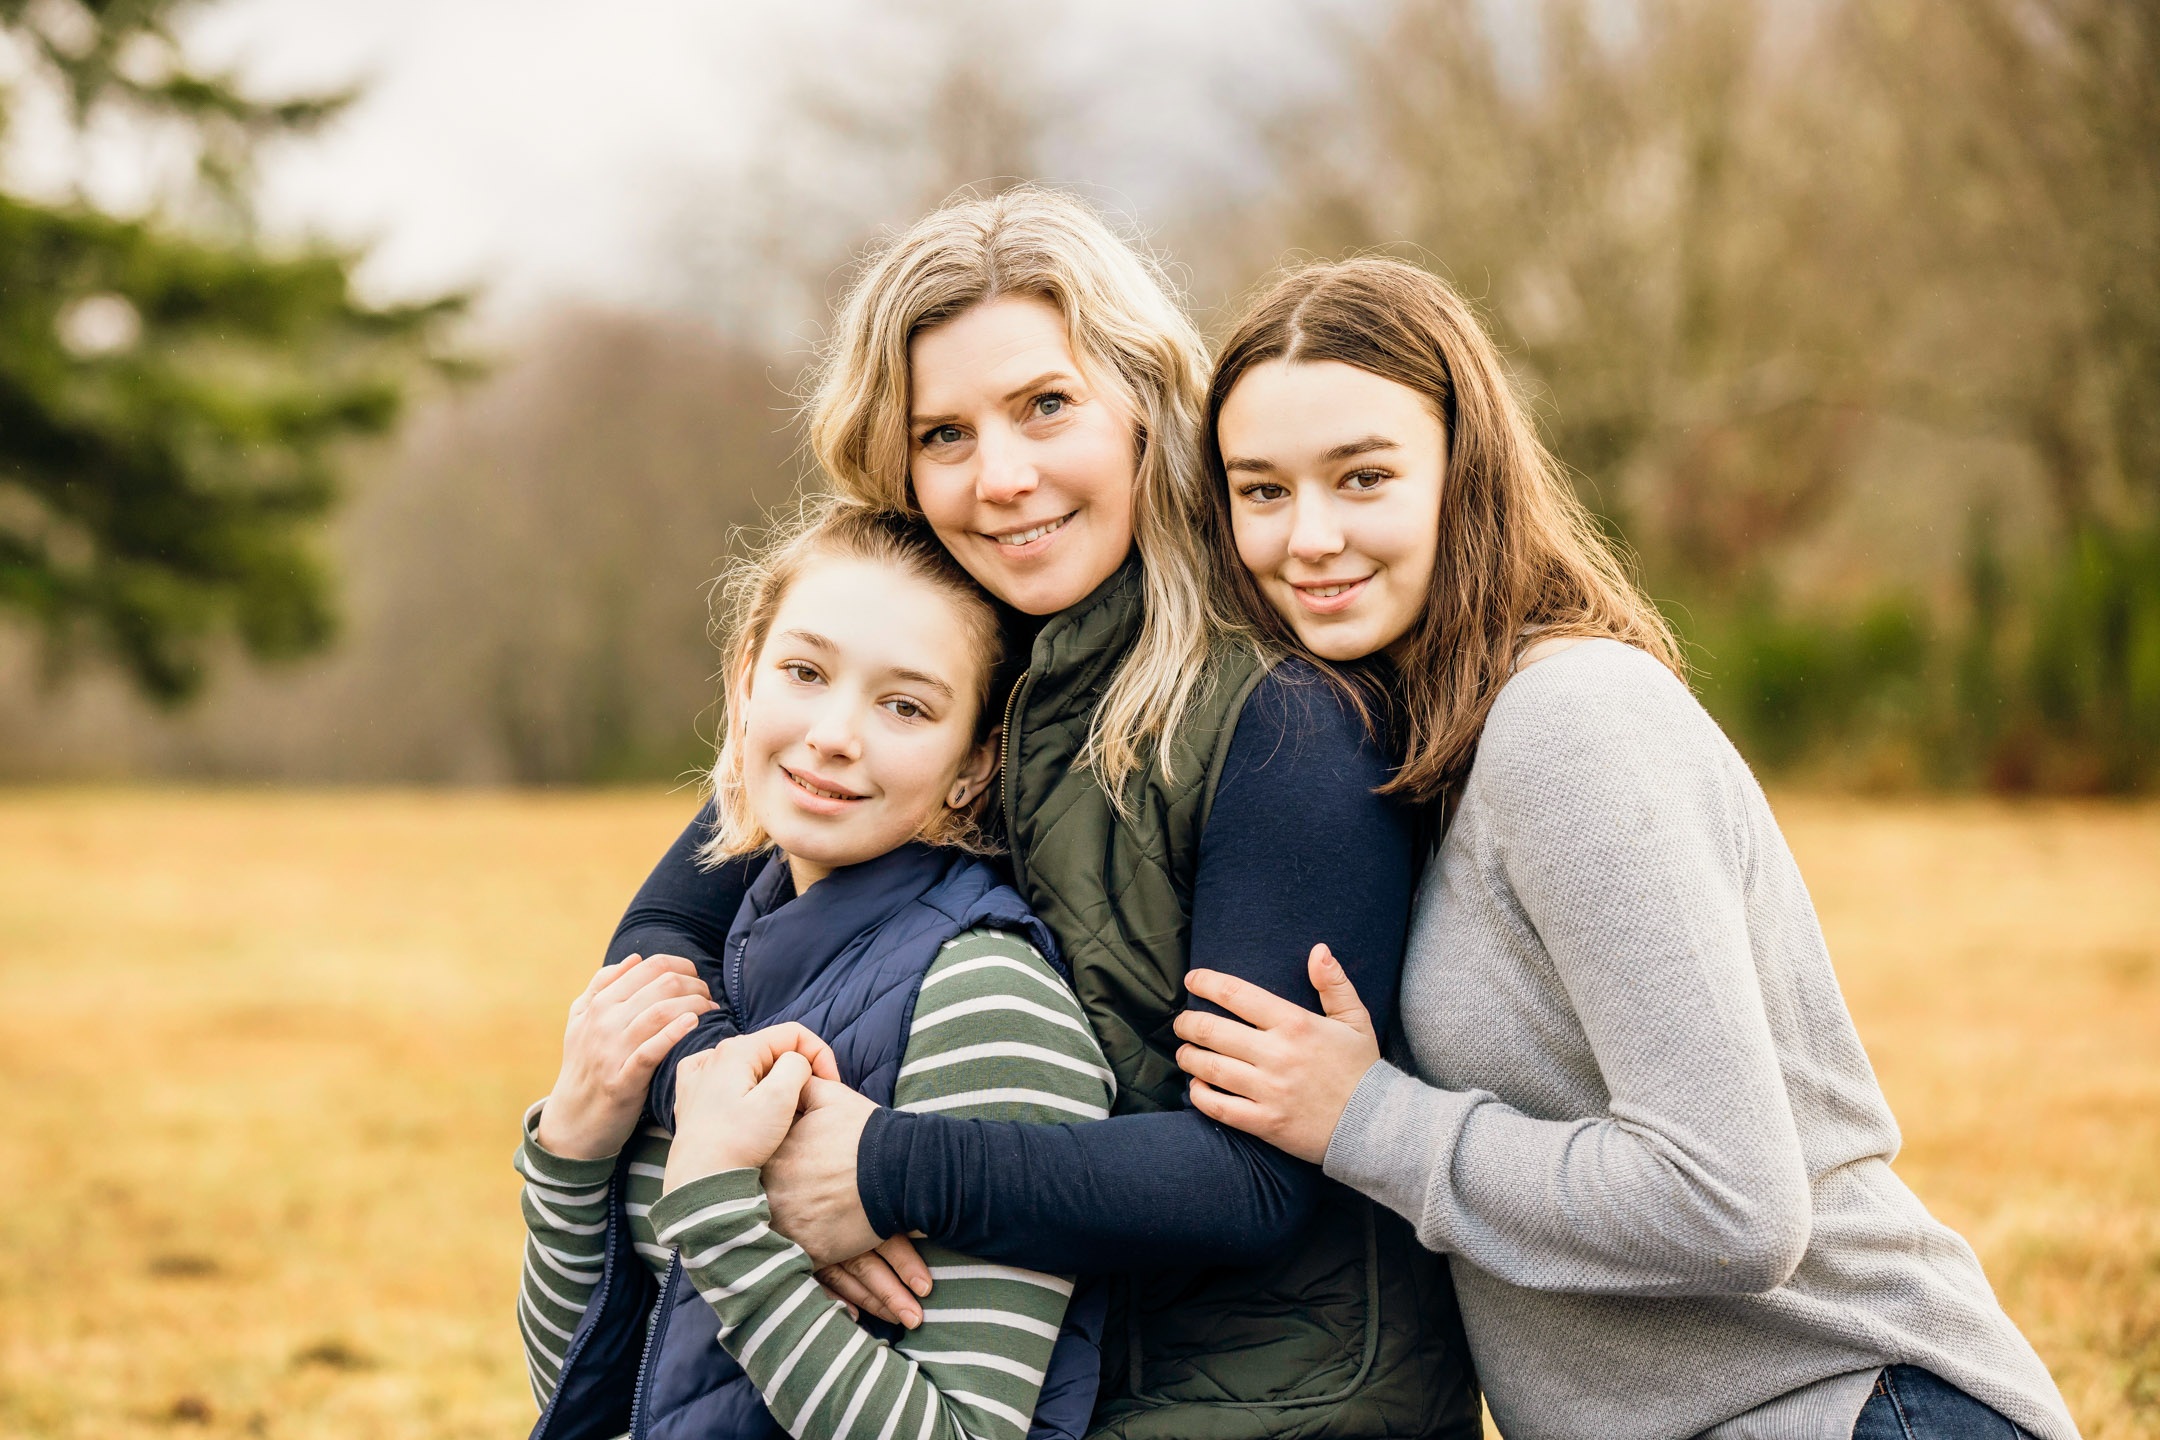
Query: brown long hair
1520, 556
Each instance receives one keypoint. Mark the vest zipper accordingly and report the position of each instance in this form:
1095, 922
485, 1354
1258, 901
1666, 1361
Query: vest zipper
640, 1401
1008, 771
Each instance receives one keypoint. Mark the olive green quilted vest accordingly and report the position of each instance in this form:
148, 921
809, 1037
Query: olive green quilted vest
1351, 1335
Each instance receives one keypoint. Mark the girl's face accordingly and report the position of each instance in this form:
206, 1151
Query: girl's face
859, 716
1023, 468
1335, 479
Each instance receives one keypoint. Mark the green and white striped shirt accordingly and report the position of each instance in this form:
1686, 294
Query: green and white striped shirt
996, 1036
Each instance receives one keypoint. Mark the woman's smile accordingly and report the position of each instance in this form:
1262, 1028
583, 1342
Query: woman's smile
1030, 541
1329, 597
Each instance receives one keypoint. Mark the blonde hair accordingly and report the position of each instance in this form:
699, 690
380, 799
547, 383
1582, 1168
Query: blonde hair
753, 591
1520, 557
1127, 329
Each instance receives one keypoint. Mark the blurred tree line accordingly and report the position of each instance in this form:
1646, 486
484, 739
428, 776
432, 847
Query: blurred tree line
1846, 314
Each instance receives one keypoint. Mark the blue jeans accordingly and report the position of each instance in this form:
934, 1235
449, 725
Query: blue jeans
1911, 1404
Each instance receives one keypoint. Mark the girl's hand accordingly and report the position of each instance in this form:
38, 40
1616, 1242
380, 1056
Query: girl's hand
1288, 1080
735, 1104
623, 1025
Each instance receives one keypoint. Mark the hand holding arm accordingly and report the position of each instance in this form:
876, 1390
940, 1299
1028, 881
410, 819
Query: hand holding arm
622, 1025
1288, 1074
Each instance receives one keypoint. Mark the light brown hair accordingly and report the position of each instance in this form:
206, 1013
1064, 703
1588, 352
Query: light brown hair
1126, 330
752, 592
1520, 556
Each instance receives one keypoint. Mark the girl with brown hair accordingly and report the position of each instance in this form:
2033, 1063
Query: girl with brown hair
1627, 1099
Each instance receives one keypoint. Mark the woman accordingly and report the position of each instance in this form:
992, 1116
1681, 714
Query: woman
1641, 1122
1012, 372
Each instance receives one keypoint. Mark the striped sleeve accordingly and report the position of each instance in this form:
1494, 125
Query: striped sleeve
996, 1035
565, 1204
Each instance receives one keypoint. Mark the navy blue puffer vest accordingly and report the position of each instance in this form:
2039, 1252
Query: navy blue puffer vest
846, 959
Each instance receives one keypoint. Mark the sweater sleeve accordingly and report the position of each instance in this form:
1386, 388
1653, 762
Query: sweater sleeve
565, 1204
1616, 825
996, 1034
1297, 849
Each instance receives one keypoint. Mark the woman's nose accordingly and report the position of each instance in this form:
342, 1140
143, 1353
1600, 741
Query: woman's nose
1005, 472
1315, 533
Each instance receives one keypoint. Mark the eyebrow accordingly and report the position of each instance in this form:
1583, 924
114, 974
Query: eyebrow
1048, 377
1364, 445
917, 677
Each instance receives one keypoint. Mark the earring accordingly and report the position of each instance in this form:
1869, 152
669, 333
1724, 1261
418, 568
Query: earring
959, 796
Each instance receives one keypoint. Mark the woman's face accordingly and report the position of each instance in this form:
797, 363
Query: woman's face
1335, 479
1023, 468
859, 716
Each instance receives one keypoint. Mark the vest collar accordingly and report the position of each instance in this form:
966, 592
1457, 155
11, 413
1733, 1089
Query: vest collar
1079, 648
780, 941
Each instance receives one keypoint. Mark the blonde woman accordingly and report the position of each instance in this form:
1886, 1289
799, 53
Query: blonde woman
1021, 378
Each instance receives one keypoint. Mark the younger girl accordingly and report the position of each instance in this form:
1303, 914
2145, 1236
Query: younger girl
875, 948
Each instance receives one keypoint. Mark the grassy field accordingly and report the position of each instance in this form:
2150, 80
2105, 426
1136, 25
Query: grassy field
264, 1055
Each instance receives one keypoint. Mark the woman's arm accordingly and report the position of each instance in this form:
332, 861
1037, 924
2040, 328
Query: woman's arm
1618, 823
682, 909
996, 1034
1297, 849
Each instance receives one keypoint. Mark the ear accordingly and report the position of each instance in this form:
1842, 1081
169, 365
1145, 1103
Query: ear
738, 692
975, 772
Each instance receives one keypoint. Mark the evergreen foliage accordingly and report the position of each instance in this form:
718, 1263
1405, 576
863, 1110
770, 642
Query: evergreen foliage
174, 388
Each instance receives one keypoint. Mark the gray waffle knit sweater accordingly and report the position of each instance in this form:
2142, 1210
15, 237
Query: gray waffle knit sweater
1642, 1125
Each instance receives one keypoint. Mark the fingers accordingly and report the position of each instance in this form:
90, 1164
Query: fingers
660, 1014
852, 1293
784, 1082
775, 1040
664, 985
1225, 1037
899, 1253
887, 1294
634, 974
607, 975
1338, 997
823, 1277
1220, 1071
1232, 1110
647, 1057
1242, 998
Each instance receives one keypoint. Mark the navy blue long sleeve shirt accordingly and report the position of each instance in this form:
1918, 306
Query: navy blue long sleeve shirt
1297, 849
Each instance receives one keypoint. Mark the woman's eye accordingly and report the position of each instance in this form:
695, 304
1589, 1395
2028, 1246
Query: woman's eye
1364, 479
1264, 492
803, 674
942, 435
906, 709
1051, 404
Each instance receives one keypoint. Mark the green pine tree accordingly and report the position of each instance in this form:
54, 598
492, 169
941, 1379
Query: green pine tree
174, 389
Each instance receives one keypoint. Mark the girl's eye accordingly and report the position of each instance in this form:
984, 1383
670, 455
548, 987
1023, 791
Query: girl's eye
942, 435
906, 709
1364, 480
1051, 403
1264, 491
797, 671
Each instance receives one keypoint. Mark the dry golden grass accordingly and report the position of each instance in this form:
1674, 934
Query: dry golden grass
264, 1055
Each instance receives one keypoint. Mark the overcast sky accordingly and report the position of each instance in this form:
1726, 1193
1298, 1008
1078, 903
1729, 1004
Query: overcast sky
537, 145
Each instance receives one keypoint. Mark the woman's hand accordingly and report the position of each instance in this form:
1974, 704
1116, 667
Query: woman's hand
734, 1104
810, 1185
630, 1015
1288, 1080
